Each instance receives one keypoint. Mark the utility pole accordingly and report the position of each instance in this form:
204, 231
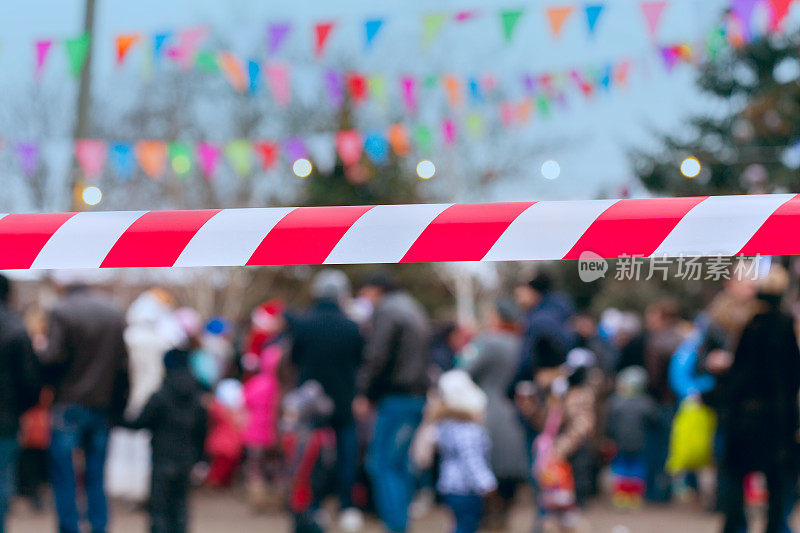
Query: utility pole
82, 125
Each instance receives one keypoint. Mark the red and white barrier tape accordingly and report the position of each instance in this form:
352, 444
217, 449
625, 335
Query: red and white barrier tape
715, 225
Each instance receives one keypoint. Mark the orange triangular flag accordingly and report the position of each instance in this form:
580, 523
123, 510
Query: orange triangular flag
557, 16
152, 156
321, 33
124, 43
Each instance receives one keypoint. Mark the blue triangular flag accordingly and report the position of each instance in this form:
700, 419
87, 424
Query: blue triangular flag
371, 28
592, 14
121, 159
377, 148
159, 40
254, 71
475, 93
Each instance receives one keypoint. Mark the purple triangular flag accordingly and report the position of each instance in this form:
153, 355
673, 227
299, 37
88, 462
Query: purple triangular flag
276, 35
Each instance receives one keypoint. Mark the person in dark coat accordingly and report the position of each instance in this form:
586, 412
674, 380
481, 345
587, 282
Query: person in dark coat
87, 364
19, 390
327, 348
176, 418
761, 393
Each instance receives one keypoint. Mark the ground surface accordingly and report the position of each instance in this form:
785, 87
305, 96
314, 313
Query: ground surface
225, 512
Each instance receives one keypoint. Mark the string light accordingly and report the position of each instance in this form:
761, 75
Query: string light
92, 195
302, 167
426, 169
690, 167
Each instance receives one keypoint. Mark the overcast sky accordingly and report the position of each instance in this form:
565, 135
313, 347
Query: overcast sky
599, 131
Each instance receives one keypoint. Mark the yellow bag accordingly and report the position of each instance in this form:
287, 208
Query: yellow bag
691, 442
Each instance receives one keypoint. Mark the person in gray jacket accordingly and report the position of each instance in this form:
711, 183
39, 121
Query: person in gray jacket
492, 360
394, 380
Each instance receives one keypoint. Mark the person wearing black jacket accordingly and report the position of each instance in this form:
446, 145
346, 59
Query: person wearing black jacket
176, 418
19, 390
760, 398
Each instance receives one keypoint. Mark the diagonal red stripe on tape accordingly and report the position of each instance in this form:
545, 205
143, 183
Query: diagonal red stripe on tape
778, 235
156, 239
633, 227
464, 232
23, 236
306, 235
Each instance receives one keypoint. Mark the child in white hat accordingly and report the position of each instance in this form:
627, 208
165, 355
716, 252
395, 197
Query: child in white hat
454, 425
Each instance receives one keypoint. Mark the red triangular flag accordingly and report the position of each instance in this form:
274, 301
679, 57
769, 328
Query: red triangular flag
321, 33
267, 152
357, 86
780, 8
124, 43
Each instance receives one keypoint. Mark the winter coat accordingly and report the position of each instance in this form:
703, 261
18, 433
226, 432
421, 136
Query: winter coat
224, 432
628, 421
492, 368
327, 347
547, 337
86, 355
177, 420
761, 395
396, 356
654, 351
262, 399
19, 373
578, 421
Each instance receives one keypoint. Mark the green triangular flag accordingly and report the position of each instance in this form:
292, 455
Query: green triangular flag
422, 137
240, 155
431, 26
430, 81
206, 61
78, 50
509, 21
543, 104
180, 156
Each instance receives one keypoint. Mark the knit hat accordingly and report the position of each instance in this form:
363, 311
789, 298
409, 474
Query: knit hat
632, 380
330, 284
460, 393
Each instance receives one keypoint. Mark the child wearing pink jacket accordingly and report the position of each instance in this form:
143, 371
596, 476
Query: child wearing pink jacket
262, 397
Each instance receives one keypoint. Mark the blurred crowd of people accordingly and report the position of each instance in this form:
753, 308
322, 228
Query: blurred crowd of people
366, 400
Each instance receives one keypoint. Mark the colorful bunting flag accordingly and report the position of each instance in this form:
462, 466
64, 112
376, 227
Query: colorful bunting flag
121, 160
159, 41
232, 68
42, 48
377, 88
592, 14
652, 11
295, 149
267, 152
422, 138
409, 91
431, 27
206, 61
124, 42
349, 146
670, 56
240, 156
254, 75
376, 148
475, 91
452, 88
463, 16
180, 156
334, 86
276, 35
371, 28
189, 42
508, 20
208, 158
322, 32
278, 83
448, 131
398, 139
91, 155
506, 114
475, 125
357, 87
557, 16
78, 51
152, 156
778, 12
28, 155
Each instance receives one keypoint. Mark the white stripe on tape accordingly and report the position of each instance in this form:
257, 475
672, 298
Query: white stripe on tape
546, 230
231, 236
83, 241
720, 225
384, 233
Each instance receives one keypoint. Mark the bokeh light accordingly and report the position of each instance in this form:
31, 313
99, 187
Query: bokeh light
690, 167
426, 169
551, 169
302, 167
92, 195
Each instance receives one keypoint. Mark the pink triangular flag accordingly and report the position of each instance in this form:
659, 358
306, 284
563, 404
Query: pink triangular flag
780, 8
208, 157
349, 146
278, 82
91, 156
42, 48
448, 131
652, 11
409, 86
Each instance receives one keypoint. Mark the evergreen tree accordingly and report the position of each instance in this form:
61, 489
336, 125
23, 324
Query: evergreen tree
747, 141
